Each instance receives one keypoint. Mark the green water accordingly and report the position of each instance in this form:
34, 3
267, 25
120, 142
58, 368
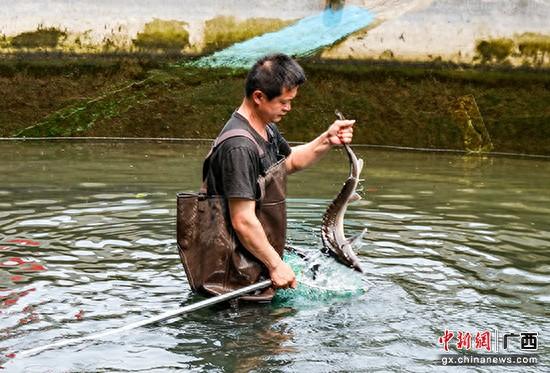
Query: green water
87, 243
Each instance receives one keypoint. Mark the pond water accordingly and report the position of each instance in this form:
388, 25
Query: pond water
87, 243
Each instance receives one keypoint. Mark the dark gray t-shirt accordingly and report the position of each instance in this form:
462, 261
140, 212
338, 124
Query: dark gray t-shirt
236, 165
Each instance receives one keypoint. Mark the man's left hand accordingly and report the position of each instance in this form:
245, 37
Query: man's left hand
340, 132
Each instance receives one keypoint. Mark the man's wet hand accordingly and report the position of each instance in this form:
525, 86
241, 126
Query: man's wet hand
340, 132
283, 277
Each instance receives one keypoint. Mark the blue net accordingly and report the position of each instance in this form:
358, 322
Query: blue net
320, 279
303, 38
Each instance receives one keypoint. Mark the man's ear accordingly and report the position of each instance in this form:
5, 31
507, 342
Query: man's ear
258, 96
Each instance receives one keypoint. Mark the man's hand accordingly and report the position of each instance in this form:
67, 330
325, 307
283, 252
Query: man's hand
340, 132
282, 276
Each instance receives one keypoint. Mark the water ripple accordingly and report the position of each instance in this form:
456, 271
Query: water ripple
445, 248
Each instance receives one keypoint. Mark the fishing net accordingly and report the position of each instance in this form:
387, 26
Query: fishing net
320, 279
303, 38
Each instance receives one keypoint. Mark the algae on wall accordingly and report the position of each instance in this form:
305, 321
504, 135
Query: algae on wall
495, 50
163, 35
156, 36
395, 104
534, 48
173, 36
4, 42
41, 38
530, 49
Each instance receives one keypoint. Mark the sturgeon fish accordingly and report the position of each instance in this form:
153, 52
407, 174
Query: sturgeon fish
332, 228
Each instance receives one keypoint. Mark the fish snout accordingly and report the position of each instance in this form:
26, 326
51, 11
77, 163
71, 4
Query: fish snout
358, 268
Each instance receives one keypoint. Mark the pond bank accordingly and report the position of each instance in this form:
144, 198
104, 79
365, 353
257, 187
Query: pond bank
399, 104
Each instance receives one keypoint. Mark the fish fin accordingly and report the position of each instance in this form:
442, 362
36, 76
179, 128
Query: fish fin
359, 166
354, 197
353, 241
315, 270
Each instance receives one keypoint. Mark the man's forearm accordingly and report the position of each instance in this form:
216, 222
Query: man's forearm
303, 156
253, 237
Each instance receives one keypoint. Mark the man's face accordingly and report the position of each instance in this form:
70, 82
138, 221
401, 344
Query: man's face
274, 110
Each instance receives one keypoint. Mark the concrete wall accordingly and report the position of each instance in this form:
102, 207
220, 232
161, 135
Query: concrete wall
405, 29
121, 20
447, 28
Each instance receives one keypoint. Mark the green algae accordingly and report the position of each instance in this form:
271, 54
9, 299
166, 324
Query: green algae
41, 38
394, 104
387, 55
532, 49
535, 48
495, 50
223, 31
72, 120
157, 36
4, 41
163, 35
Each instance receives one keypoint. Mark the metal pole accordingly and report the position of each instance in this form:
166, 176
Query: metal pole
163, 316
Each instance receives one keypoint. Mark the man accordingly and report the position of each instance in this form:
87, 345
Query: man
249, 170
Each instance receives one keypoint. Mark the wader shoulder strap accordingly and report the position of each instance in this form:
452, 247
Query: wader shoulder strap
270, 130
235, 133
220, 139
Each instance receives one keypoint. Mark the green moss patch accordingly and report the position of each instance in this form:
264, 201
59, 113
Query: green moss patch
495, 50
41, 38
163, 35
535, 48
394, 104
4, 42
531, 49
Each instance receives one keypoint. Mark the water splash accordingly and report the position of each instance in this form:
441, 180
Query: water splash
303, 38
320, 279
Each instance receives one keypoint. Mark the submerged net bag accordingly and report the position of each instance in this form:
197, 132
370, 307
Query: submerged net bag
320, 279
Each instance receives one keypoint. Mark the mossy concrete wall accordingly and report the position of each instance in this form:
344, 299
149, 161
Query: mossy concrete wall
449, 30
100, 25
403, 102
395, 104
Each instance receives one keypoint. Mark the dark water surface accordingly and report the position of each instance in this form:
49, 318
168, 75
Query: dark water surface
87, 243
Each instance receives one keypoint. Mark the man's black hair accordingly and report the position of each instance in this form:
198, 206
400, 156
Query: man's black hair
272, 73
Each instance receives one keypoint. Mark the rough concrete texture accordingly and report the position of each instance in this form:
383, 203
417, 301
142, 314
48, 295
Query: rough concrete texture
404, 29
100, 19
449, 29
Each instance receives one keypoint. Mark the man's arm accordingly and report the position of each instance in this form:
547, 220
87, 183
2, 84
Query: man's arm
253, 237
302, 156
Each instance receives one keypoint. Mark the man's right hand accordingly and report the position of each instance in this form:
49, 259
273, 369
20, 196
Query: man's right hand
283, 277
